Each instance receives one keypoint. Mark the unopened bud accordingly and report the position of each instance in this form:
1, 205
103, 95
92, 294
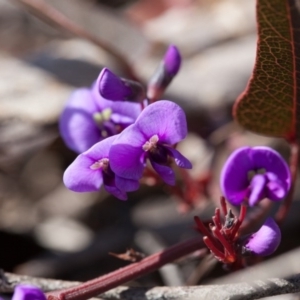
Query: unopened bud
164, 74
265, 241
114, 88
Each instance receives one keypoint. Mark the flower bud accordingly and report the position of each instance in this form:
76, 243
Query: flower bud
164, 74
265, 241
114, 88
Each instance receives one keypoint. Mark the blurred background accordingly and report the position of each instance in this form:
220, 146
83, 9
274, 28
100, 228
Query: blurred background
49, 231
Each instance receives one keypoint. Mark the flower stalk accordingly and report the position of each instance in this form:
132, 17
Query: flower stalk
149, 264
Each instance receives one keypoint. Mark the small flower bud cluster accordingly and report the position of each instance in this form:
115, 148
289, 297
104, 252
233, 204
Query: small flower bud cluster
224, 240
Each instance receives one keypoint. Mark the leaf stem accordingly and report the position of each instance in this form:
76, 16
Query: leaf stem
151, 263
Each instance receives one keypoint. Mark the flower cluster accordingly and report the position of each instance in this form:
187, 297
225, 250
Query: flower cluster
118, 162
116, 138
248, 176
89, 117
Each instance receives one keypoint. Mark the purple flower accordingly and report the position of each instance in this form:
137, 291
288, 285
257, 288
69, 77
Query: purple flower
172, 60
92, 168
165, 72
88, 118
28, 292
112, 87
253, 174
265, 241
159, 126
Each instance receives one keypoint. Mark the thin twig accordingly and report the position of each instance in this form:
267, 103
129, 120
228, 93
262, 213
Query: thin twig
47, 12
149, 264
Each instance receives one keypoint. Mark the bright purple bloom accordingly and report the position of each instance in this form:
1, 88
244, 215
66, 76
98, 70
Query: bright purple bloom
112, 87
159, 126
265, 241
254, 174
28, 292
172, 60
92, 168
88, 118
165, 72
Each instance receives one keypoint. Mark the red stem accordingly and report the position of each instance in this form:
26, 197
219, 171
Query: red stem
223, 206
210, 245
202, 229
284, 208
240, 220
223, 241
217, 219
104, 283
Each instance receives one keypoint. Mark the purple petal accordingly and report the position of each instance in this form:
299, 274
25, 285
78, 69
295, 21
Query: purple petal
179, 159
76, 123
172, 60
270, 160
164, 118
28, 292
234, 176
111, 87
257, 189
126, 156
79, 177
165, 172
101, 149
126, 185
275, 189
266, 240
121, 119
127, 109
116, 192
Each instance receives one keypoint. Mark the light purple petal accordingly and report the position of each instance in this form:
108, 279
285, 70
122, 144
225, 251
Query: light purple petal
172, 60
127, 109
101, 149
79, 177
28, 292
275, 189
266, 240
257, 189
165, 172
179, 159
121, 119
76, 123
127, 185
111, 87
164, 118
234, 176
270, 160
116, 192
127, 155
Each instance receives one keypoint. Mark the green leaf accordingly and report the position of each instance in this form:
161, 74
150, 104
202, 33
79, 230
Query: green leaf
270, 105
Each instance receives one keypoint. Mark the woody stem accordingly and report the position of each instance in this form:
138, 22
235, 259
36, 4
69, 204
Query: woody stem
149, 264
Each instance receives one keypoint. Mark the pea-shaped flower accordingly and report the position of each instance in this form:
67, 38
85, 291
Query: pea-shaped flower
89, 118
28, 292
91, 169
265, 241
253, 174
159, 126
